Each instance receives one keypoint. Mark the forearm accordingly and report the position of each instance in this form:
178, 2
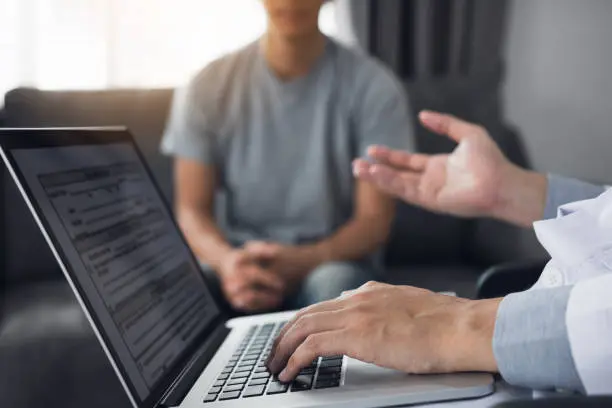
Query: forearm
357, 239
526, 196
521, 197
204, 236
468, 343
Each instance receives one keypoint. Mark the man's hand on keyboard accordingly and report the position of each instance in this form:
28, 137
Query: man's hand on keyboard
398, 327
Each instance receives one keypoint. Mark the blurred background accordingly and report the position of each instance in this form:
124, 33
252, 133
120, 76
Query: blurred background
535, 73
556, 57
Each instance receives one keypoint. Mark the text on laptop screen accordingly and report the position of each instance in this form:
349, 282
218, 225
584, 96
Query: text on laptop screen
125, 251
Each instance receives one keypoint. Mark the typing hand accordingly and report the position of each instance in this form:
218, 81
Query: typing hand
398, 327
249, 287
465, 183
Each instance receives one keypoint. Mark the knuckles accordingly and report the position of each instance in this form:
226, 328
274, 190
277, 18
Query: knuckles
312, 344
303, 325
371, 285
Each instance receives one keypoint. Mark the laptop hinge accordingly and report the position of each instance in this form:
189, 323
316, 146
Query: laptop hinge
178, 390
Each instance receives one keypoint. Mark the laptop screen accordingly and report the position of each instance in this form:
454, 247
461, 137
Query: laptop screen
125, 253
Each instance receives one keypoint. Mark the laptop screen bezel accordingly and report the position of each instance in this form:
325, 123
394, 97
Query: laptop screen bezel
14, 139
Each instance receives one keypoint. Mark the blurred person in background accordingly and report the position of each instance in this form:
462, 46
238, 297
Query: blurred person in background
263, 141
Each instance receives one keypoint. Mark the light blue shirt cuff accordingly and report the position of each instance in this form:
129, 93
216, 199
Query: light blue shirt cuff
562, 190
531, 343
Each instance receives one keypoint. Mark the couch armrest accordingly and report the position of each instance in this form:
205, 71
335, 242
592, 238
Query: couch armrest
509, 278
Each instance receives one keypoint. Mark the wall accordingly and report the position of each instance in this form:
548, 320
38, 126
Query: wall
559, 84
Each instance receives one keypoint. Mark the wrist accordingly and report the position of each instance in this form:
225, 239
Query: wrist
521, 196
224, 253
474, 335
315, 255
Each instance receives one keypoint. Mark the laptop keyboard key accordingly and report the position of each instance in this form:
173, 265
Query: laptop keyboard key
215, 390
229, 396
219, 383
330, 383
307, 371
261, 375
331, 363
210, 398
237, 381
258, 381
302, 383
237, 387
330, 370
327, 377
243, 374
254, 391
277, 388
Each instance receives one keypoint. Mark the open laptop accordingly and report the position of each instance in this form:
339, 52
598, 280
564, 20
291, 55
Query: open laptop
98, 207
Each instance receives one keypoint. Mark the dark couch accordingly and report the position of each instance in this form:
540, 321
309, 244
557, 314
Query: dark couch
47, 351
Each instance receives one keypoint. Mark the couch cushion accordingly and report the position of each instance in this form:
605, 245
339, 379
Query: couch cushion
48, 352
419, 236
144, 112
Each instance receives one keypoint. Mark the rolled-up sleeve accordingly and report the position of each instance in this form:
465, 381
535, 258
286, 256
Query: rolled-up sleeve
562, 190
589, 325
531, 342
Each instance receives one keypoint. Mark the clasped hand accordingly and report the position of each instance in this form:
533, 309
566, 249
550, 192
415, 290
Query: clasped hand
260, 275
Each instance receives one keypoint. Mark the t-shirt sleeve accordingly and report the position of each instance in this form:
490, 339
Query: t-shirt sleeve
189, 133
383, 114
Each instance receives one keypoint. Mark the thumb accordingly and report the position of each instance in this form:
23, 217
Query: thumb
449, 125
261, 249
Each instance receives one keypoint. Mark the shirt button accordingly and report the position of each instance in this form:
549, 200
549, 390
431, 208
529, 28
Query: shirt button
554, 278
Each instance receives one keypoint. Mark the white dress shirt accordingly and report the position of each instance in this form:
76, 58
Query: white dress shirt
558, 335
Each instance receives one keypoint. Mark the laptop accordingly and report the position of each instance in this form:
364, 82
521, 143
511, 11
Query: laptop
98, 207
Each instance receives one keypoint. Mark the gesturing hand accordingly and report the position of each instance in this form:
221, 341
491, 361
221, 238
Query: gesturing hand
403, 328
247, 286
464, 183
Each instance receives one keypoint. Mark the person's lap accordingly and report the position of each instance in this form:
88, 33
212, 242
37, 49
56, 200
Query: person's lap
329, 281
326, 282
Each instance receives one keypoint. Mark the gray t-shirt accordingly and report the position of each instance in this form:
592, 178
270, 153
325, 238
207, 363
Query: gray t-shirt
283, 150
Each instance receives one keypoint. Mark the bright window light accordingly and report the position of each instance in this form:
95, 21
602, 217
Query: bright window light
93, 44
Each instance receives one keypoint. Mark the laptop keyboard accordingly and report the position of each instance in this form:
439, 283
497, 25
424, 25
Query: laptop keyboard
246, 375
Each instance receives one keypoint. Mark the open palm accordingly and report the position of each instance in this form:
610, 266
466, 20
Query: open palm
465, 182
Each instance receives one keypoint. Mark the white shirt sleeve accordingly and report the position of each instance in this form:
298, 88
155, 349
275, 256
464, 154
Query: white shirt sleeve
562, 190
589, 328
531, 342
559, 333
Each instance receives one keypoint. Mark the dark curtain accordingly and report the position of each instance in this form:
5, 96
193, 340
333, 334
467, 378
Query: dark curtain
449, 55
427, 39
